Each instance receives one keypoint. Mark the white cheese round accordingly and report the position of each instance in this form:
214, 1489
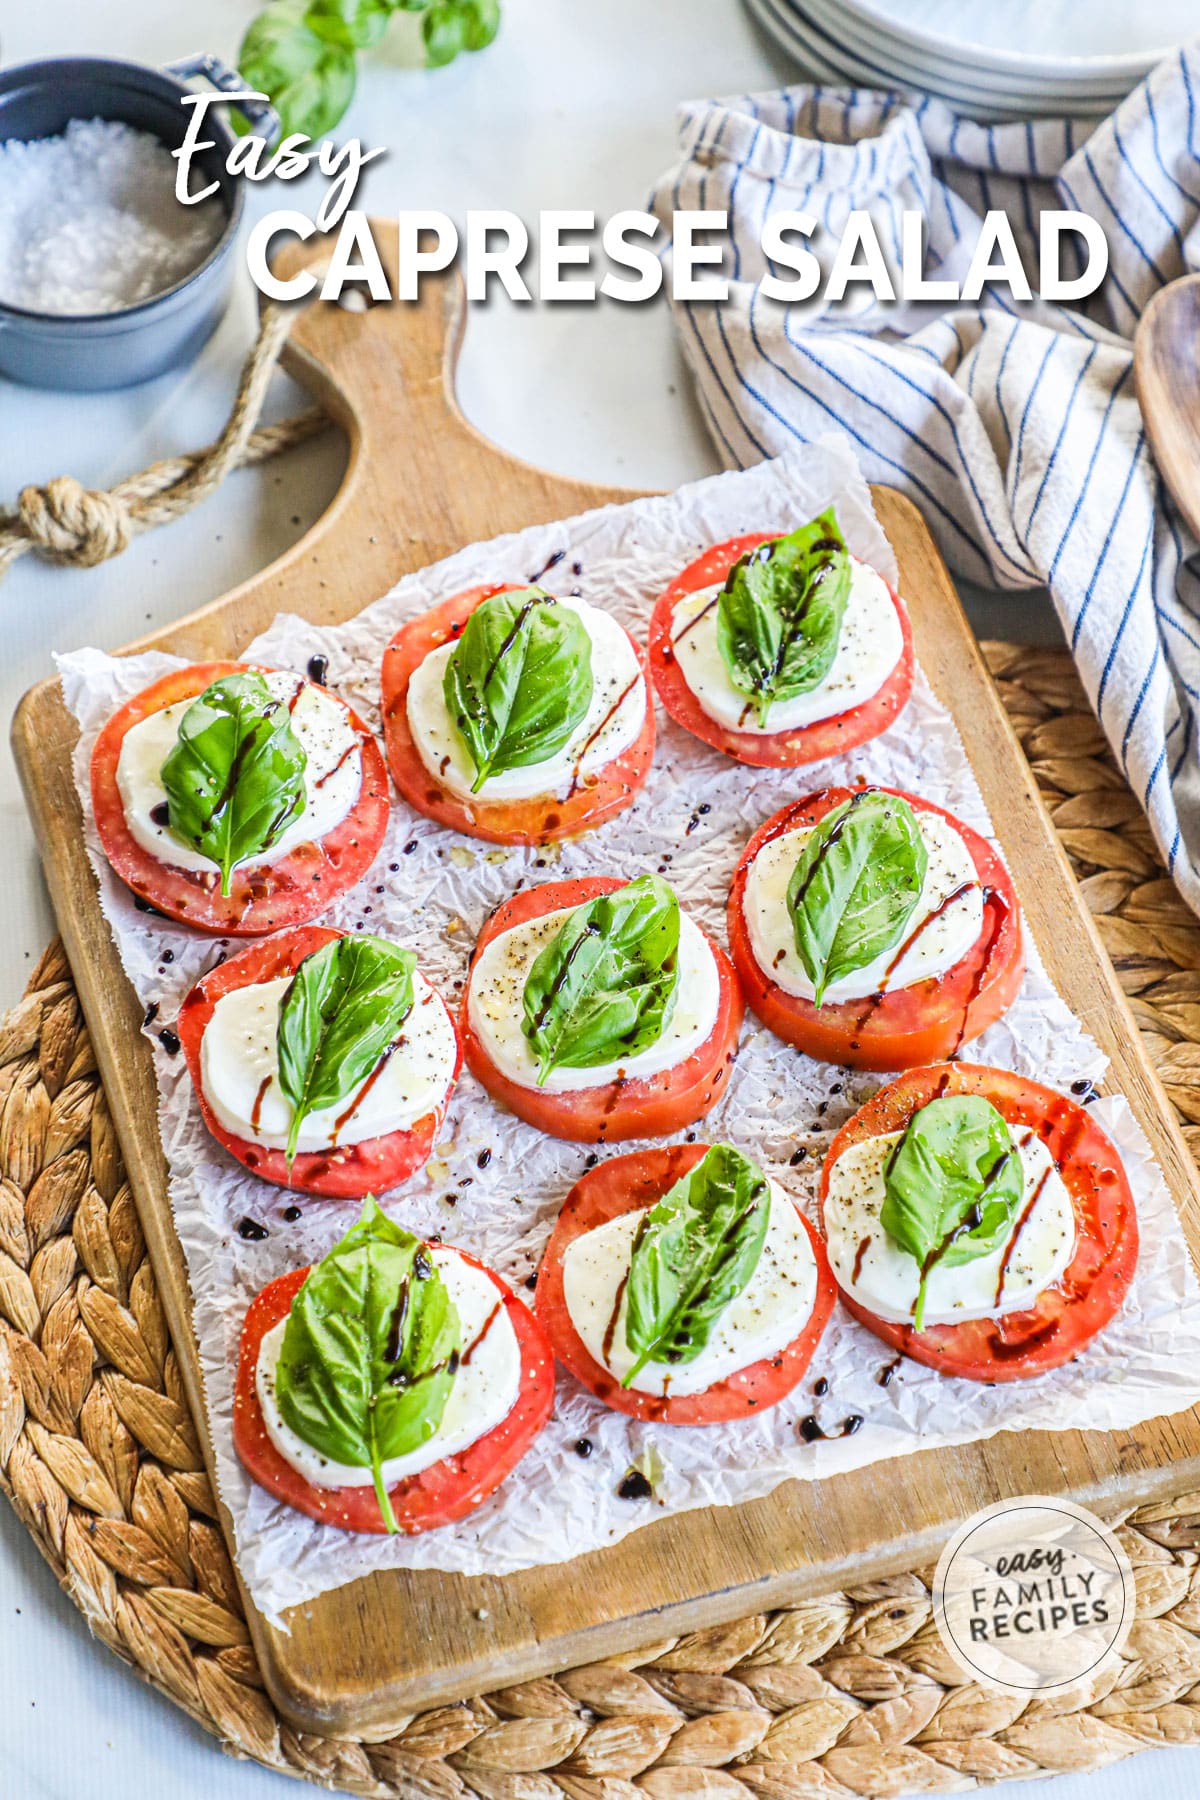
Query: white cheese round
497, 987
613, 720
767, 1316
885, 1279
239, 1070
332, 779
485, 1389
869, 647
936, 947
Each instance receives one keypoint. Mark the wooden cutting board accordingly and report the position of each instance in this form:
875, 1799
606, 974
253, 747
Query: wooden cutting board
421, 483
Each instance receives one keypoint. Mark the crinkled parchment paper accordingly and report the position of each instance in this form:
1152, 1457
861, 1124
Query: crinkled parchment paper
433, 890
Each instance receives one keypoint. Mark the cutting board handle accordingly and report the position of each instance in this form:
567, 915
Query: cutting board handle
420, 480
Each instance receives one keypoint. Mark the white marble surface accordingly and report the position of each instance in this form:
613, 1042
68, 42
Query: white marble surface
572, 107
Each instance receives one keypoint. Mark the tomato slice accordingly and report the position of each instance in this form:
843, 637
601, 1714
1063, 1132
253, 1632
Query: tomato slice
650, 1106
775, 749
1066, 1316
265, 896
921, 1023
370, 1167
631, 1183
534, 821
446, 1490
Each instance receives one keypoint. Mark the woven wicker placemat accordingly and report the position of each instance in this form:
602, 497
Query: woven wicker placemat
852, 1694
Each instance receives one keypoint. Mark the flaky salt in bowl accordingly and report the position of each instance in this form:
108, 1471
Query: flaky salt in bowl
89, 222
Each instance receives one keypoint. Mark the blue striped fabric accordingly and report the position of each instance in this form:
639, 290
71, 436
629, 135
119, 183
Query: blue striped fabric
1014, 427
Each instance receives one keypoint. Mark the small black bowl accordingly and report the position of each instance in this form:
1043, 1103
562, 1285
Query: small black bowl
114, 349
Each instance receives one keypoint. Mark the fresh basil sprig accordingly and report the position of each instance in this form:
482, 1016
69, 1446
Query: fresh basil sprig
339, 1014
518, 682
303, 53
779, 615
370, 1350
235, 777
695, 1252
952, 1185
855, 885
605, 984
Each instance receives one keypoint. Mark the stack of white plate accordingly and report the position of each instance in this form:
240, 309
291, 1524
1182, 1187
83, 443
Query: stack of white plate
1011, 59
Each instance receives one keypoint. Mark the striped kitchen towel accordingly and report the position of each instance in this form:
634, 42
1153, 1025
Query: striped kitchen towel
1015, 427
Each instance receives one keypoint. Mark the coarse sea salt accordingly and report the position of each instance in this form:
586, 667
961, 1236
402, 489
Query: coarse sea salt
89, 222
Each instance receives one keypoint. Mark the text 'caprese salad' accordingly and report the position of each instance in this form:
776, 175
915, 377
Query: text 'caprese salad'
238, 799
392, 1386
597, 1009
873, 928
322, 1061
978, 1222
681, 1284
782, 650
517, 716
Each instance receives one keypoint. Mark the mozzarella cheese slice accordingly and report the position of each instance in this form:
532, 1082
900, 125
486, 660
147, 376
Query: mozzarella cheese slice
486, 1385
765, 1318
945, 922
495, 1000
332, 778
876, 1272
613, 720
239, 1071
869, 647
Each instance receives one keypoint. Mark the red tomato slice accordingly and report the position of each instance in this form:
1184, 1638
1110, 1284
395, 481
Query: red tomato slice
446, 1490
632, 1183
1065, 1317
595, 798
651, 1106
776, 749
265, 896
922, 1023
349, 1173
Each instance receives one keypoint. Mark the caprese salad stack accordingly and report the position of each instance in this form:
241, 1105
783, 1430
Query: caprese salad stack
393, 1386
238, 799
322, 1061
978, 1222
684, 1285
517, 716
598, 1009
974, 1221
782, 651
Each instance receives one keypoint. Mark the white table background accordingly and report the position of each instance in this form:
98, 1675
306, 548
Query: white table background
573, 106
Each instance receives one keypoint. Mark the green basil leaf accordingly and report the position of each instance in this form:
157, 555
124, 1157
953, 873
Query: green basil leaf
605, 984
519, 681
309, 80
444, 29
235, 777
953, 1182
695, 1252
370, 1350
779, 615
482, 22
338, 1016
354, 24
856, 885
